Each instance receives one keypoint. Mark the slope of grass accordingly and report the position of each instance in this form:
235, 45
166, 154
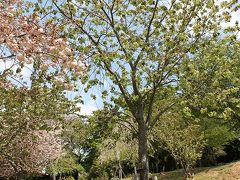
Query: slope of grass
229, 171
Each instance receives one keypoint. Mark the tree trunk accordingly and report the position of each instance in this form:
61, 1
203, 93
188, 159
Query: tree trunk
188, 175
120, 171
142, 150
135, 176
157, 165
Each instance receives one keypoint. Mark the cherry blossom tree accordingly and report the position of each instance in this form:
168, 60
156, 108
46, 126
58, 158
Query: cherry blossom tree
30, 154
24, 38
29, 104
29, 126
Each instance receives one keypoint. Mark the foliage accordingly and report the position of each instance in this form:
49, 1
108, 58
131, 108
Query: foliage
98, 172
185, 141
75, 133
210, 83
210, 87
67, 163
68, 178
208, 102
117, 149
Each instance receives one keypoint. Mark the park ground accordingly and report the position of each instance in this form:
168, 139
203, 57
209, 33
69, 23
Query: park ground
229, 171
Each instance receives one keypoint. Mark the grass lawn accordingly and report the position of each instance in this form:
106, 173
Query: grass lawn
229, 171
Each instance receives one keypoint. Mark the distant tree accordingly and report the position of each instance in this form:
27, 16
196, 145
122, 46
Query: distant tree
30, 123
210, 84
28, 155
184, 140
117, 148
96, 141
208, 100
66, 164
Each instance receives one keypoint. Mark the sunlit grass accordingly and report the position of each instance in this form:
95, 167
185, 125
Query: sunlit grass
229, 171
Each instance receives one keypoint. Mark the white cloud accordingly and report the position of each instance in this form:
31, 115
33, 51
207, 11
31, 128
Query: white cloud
87, 109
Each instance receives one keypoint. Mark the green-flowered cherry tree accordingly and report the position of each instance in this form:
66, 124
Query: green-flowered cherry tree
138, 47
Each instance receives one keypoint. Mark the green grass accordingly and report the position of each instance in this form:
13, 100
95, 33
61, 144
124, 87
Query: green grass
229, 171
